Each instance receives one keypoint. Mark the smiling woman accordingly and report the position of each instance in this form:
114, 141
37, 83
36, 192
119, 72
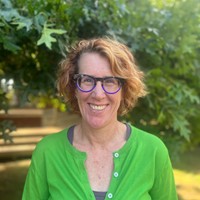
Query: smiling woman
121, 64
100, 157
97, 106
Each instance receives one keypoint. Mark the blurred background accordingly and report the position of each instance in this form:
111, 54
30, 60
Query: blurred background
163, 35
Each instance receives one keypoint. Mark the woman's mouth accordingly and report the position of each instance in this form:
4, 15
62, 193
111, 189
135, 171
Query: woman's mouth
97, 107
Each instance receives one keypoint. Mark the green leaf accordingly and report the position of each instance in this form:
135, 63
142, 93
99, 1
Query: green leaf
23, 22
182, 125
8, 44
47, 37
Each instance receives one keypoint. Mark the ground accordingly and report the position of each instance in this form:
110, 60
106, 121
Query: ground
187, 176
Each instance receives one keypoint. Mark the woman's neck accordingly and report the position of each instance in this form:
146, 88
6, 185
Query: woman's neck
112, 136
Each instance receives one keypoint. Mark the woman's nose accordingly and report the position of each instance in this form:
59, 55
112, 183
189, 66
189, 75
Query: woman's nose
98, 90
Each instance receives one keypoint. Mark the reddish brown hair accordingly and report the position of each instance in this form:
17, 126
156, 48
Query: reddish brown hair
122, 64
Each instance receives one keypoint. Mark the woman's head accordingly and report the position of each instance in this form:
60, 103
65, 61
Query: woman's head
122, 65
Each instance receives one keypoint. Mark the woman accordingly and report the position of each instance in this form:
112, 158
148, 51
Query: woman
101, 157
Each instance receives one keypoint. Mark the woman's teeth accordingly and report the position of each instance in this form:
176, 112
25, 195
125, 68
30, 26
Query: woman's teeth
95, 107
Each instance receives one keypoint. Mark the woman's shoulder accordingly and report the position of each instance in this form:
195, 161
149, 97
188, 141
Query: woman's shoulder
148, 140
150, 146
52, 141
52, 137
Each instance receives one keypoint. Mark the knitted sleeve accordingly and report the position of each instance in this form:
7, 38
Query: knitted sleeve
36, 186
164, 186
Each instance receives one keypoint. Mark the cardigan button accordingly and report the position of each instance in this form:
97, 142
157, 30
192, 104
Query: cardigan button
116, 174
110, 196
116, 155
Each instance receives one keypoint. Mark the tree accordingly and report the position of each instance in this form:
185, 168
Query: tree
165, 40
163, 35
33, 37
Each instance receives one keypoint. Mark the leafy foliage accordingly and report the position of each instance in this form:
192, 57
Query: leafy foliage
6, 127
163, 35
167, 46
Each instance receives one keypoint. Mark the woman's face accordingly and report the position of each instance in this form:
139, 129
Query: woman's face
98, 109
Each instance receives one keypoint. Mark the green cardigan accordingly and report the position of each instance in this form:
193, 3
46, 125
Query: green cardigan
142, 171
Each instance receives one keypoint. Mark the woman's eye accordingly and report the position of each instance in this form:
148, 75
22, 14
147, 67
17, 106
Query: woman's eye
111, 81
87, 80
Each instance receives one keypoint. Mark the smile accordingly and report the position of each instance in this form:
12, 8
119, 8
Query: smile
97, 107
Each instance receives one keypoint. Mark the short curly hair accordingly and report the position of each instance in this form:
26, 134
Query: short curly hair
122, 64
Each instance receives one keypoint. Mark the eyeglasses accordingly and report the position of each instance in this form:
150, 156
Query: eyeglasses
87, 83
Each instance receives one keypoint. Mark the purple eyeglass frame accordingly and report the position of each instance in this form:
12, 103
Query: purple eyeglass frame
76, 76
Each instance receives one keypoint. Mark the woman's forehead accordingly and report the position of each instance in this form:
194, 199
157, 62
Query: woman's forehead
94, 63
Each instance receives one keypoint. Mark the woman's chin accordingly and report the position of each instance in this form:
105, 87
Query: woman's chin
96, 123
